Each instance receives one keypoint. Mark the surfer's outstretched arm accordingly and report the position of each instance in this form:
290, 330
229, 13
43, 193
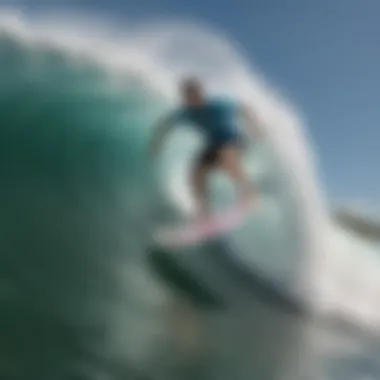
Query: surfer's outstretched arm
162, 129
251, 121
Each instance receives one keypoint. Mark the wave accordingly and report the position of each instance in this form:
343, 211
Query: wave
79, 195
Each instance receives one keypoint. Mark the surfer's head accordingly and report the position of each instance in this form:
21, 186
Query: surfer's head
192, 92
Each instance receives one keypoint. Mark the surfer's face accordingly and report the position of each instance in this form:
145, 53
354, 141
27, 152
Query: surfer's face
192, 96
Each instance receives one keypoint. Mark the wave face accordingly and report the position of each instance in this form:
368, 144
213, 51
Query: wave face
80, 199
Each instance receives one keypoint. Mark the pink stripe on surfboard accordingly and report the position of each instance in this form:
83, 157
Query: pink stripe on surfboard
213, 227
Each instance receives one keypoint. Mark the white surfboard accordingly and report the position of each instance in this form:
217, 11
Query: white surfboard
202, 230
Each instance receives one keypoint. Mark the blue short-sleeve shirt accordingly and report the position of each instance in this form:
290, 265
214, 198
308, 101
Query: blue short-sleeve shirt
217, 120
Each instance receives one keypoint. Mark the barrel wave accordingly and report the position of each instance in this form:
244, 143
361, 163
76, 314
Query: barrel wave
80, 198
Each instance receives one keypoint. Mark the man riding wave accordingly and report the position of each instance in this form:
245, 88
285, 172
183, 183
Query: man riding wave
219, 121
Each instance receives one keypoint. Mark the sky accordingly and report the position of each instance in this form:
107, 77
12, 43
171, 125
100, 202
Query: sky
324, 54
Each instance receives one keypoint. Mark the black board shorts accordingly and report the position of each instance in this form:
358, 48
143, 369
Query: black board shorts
209, 156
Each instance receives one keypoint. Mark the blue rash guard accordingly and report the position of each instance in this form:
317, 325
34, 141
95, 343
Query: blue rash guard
217, 120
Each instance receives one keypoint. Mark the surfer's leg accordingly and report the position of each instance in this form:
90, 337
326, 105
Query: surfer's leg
198, 184
199, 181
229, 158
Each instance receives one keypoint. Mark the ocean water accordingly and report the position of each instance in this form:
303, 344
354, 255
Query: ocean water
85, 292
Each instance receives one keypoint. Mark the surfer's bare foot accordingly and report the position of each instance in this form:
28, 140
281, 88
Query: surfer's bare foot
248, 195
202, 214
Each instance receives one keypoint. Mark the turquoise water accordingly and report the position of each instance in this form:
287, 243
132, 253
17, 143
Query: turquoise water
69, 173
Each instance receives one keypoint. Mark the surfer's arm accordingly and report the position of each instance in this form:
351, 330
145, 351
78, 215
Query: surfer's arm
250, 120
161, 131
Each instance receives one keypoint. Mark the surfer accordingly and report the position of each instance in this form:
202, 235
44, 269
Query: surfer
218, 120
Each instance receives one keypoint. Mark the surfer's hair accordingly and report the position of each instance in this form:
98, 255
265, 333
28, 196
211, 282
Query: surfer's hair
191, 83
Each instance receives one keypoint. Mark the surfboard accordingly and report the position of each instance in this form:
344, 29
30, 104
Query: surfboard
198, 231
